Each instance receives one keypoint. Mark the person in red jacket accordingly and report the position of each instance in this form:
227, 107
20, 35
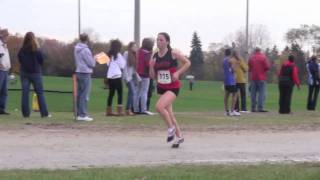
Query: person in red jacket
258, 68
143, 60
288, 77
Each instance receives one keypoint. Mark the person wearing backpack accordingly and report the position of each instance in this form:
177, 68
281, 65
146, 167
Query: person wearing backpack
288, 77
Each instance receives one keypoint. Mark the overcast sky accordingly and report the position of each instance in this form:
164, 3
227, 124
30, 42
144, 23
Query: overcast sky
214, 20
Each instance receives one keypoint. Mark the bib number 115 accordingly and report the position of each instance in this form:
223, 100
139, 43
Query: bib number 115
164, 77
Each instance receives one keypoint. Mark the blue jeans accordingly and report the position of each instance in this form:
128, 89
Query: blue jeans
258, 87
84, 86
36, 80
142, 95
3, 90
132, 92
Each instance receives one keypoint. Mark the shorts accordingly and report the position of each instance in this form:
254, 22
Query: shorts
230, 88
162, 91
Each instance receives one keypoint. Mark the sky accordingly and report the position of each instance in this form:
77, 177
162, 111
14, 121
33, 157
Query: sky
213, 20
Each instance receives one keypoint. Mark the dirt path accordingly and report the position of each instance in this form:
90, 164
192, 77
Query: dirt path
65, 148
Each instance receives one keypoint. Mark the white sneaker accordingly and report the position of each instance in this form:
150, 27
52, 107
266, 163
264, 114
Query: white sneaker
149, 113
179, 141
48, 116
171, 134
85, 118
235, 113
227, 113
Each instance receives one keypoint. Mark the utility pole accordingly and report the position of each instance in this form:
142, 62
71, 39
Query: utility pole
79, 17
137, 22
247, 29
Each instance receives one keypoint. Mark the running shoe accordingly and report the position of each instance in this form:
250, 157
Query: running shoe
171, 134
235, 113
177, 143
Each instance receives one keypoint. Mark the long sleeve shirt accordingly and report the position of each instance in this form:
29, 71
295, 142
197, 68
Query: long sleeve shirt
294, 75
258, 67
5, 64
240, 70
30, 62
84, 59
116, 66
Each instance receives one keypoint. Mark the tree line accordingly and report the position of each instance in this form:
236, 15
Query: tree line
206, 65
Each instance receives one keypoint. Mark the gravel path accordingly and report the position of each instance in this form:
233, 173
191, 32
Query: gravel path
64, 148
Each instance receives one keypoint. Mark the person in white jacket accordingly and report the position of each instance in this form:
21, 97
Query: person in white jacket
5, 66
131, 76
114, 76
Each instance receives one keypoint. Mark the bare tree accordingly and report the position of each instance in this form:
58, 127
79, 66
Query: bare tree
259, 36
94, 36
304, 36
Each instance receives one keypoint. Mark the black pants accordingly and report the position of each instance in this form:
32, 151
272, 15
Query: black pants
115, 85
190, 86
242, 89
312, 97
285, 94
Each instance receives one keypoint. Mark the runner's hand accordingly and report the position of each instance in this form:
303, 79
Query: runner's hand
175, 76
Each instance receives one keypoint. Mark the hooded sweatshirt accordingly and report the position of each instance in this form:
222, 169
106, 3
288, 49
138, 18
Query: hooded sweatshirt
313, 72
258, 67
293, 75
144, 57
84, 59
4, 57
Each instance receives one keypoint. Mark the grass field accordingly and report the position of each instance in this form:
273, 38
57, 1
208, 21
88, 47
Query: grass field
207, 96
198, 109
185, 172
201, 107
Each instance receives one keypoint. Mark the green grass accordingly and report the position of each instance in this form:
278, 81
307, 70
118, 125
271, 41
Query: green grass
207, 96
175, 172
202, 107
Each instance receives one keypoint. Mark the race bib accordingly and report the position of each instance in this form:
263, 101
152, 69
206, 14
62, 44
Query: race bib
164, 77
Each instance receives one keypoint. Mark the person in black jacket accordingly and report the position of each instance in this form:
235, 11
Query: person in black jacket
288, 77
31, 61
314, 83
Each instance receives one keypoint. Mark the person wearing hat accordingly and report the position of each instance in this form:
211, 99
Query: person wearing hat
4, 69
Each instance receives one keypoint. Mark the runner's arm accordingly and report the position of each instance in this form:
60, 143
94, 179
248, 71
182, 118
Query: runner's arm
185, 64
